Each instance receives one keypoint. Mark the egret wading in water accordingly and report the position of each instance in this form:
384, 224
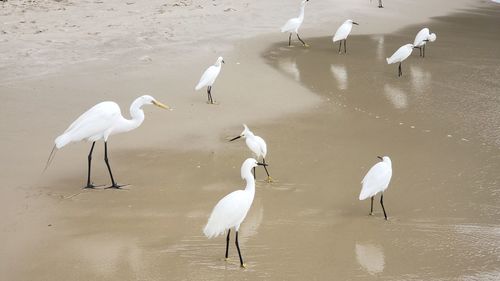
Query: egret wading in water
423, 36
400, 55
231, 210
99, 123
342, 33
293, 24
257, 145
208, 78
377, 180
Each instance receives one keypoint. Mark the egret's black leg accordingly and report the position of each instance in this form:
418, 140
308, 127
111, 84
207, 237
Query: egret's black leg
254, 174
382, 203
345, 46
380, 4
265, 168
114, 184
423, 51
371, 208
239, 252
290, 40
399, 70
340, 45
90, 185
227, 243
303, 43
420, 51
210, 99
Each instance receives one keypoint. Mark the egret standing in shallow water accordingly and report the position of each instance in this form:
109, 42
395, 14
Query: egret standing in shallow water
377, 180
208, 78
100, 122
342, 33
293, 24
423, 36
257, 145
400, 55
231, 210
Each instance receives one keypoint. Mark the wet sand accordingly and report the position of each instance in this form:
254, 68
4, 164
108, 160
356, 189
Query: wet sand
341, 112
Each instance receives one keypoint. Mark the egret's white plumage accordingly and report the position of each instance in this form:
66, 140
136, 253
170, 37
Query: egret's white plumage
342, 33
256, 144
293, 24
377, 180
423, 36
400, 55
102, 121
232, 209
209, 76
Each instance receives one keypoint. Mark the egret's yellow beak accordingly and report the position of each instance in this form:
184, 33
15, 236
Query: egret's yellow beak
159, 104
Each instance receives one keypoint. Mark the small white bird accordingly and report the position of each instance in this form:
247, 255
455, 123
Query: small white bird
377, 180
208, 78
257, 145
423, 36
293, 24
342, 33
400, 55
231, 210
100, 122
379, 3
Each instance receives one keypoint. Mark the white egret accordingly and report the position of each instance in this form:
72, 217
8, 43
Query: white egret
231, 210
377, 180
342, 33
257, 145
293, 24
400, 55
423, 36
379, 3
100, 122
208, 78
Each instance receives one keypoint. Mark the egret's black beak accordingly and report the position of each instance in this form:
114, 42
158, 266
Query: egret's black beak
426, 40
262, 164
223, 61
235, 138
355, 23
380, 157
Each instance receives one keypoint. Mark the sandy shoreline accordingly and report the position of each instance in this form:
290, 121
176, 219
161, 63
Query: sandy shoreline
152, 231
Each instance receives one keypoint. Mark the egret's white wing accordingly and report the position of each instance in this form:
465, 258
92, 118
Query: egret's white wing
93, 123
421, 36
342, 32
262, 146
401, 54
290, 25
229, 212
377, 179
208, 77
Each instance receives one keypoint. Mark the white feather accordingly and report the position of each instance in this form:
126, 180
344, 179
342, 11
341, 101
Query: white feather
401, 54
343, 31
377, 179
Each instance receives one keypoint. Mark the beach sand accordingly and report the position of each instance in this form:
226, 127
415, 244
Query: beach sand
325, 118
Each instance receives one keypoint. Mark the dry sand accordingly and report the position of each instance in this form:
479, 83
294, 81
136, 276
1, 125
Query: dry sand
325, 117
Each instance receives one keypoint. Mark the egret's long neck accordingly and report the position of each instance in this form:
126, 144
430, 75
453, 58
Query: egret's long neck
250, 182
137, 115
301, 15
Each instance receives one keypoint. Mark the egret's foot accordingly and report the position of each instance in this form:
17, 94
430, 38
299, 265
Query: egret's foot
116, 186
92, 186
226, 259
269, 179
386, 218
243, 265
306, 45
371, 214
